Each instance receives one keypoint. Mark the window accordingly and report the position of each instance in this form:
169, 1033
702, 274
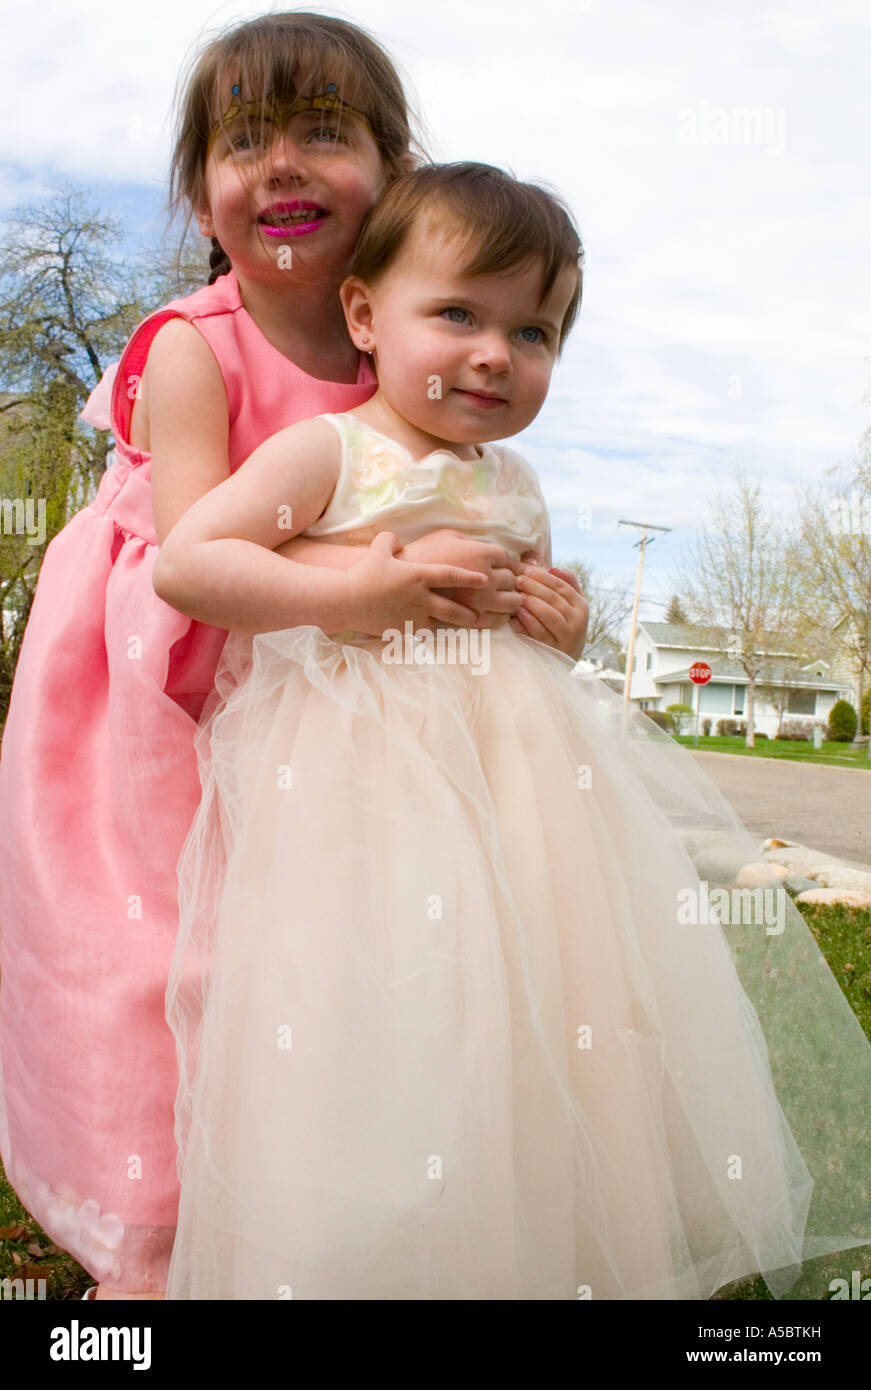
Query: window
649, 662
802, 702
715, 698
739, 699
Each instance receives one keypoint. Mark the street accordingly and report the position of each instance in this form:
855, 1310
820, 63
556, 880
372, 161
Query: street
826, 808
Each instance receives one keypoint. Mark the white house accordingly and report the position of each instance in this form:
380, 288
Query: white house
664, 653
602, 659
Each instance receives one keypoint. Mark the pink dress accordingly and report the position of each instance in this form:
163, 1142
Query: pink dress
98, 788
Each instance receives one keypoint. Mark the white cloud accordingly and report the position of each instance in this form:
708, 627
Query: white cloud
716, 160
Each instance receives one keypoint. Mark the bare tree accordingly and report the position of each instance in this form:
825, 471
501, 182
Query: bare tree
609, 607
69, 300
738, 583
833, 561
779, 695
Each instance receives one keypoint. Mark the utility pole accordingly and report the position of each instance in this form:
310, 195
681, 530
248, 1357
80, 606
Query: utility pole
642, 546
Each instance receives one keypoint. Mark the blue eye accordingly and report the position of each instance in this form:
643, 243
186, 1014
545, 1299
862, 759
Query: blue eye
454, 309
255, 137
530, 329
332, 133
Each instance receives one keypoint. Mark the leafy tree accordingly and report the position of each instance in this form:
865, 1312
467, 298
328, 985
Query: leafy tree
675, 613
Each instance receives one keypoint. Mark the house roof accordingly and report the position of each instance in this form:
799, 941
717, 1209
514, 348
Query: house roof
724, 670
602, 651
700, 638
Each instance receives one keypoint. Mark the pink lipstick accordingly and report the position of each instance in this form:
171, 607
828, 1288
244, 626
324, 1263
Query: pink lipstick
291, 219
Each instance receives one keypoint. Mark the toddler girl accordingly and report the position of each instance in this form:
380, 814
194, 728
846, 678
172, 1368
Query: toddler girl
446, 1027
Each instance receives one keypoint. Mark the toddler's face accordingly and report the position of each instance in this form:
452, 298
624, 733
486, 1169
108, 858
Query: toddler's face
466, 359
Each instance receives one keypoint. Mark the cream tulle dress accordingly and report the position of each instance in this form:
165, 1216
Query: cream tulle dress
444, 1029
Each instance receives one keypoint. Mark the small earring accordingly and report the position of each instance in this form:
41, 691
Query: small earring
365, 337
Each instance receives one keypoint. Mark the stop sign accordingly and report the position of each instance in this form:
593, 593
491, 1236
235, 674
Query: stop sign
700, 673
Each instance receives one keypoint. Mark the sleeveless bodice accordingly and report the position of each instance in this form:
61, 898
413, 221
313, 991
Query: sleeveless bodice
382, 487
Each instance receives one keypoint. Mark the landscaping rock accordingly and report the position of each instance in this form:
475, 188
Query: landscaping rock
757, 875
801, 860
796, 884
841, 876
847, 897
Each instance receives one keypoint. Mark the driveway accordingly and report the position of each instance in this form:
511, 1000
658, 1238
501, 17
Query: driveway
826, 808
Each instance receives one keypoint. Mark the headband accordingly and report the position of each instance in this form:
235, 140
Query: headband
278, 112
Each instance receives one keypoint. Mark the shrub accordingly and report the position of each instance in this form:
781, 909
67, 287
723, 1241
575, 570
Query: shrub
726, 728
681, 714
799, 730
706, 727
756, 735
661, 718
866, 712
843, 722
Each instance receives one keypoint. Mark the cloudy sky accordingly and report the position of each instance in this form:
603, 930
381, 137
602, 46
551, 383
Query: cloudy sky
715, 156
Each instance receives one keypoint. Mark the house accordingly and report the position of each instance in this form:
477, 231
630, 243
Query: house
664, 653
602, 659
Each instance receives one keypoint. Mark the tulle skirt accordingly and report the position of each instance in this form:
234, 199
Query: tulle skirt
466, 1007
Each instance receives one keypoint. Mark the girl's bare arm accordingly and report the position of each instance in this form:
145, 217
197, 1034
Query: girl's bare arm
489, 606
218, 564
186, 406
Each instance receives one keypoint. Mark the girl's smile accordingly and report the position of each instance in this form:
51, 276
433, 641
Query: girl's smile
486, 400
291, 219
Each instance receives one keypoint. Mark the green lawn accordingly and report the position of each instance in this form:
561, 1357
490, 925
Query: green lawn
835, 754
844, 938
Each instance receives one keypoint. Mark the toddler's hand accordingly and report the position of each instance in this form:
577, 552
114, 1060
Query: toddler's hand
554, 610
492, 605
389, 591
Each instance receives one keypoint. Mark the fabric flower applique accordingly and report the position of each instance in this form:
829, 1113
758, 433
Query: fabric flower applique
89, 1234
376, 472
464, 484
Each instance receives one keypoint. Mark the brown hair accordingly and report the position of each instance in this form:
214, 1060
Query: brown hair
279, 57
503, 222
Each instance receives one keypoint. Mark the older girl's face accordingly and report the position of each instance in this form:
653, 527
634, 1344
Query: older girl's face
291, 200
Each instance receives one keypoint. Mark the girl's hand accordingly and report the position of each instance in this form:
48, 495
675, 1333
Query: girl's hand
390, 591
491, 605
554, 610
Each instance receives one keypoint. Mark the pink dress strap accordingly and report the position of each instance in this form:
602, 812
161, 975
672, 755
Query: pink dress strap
265, 390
